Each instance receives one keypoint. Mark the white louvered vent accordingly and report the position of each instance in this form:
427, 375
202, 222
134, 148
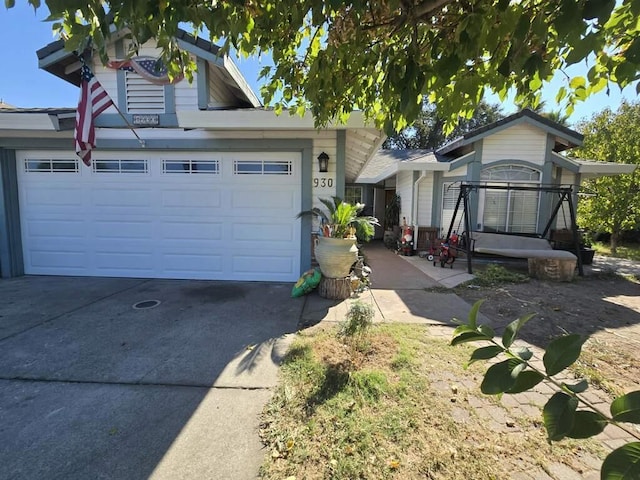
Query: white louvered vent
142, 95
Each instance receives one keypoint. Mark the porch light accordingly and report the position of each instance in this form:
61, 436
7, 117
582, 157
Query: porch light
323, 162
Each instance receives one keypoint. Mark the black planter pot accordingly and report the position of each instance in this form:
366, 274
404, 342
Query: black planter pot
586, 255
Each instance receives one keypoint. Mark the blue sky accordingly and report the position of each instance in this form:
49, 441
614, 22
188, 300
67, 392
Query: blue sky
22, 32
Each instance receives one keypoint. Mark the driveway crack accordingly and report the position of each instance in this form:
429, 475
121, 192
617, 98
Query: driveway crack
129, 384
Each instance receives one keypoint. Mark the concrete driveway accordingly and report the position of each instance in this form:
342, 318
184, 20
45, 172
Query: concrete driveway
91, 387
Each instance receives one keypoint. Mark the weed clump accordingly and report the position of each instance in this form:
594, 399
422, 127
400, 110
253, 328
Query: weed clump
495, 275
358, 321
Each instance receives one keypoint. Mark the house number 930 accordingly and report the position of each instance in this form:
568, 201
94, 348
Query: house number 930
323, 182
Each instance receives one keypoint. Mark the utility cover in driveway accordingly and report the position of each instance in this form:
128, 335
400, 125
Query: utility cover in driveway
191, 215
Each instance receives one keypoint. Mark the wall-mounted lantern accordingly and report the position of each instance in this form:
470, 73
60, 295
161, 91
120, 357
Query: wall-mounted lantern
323, 162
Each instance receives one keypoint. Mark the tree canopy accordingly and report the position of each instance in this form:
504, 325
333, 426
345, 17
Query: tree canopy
427, 131
612, 204
385, 57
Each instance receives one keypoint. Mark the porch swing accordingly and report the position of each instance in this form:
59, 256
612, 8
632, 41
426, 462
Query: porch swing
467, 241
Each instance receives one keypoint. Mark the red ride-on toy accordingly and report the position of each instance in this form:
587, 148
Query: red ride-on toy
447, 253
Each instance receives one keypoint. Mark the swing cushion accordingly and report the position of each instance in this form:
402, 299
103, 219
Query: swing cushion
521, 253
515, 246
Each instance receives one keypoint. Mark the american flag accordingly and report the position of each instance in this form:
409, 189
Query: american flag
150, 68
93, 101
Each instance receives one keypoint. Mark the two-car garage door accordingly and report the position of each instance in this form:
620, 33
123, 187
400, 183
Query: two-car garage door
195, 215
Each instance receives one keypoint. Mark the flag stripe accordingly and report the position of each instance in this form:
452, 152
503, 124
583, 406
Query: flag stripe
93, 101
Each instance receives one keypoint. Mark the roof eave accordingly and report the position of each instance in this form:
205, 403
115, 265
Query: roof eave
64, 64
29, 121
260, 119
601, 169
573, 138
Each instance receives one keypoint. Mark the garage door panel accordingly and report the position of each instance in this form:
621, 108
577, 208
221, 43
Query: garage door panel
123, 229
257, 266
50, 198
43, 228
263, 199
172, 230
111, 261
259, 234
50, 259
122, 198
221, 226
204, 199
192, 265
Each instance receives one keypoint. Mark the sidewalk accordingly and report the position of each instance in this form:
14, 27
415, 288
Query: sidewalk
409, 290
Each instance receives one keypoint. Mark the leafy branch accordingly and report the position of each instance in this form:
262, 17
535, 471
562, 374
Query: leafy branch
561, 416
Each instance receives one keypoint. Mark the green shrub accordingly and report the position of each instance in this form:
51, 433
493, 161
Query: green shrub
359, 320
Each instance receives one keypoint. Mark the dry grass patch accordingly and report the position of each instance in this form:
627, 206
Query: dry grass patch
391, 411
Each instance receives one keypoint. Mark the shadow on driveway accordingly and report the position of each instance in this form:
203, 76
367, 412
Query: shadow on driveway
92, 388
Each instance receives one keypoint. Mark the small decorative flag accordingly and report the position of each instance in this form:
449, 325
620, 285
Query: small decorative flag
93, 101
150, 68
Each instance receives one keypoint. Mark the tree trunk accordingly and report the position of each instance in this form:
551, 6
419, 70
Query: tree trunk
335, 288
614, 242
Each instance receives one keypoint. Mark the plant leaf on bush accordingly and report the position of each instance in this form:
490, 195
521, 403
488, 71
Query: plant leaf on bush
560, 414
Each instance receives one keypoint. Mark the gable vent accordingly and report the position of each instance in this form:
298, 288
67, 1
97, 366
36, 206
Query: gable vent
143, 96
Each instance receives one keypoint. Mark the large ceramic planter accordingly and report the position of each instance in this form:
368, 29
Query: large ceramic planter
336, 256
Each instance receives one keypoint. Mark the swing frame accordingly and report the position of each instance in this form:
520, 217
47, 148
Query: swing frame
565, 194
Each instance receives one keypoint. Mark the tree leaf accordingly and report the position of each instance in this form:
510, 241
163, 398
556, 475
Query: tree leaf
473, 313
577, 82
627, 408
526, 381
562, 352
486, 330
558, 414
587, 424
464, 328
579, 387
522, 352
484, 353
509, 334
597, 8
467, 337
623, 463
500, 377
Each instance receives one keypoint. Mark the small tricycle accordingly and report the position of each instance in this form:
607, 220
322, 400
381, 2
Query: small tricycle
446, 252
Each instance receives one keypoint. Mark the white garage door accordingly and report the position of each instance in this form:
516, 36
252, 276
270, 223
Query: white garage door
225, 216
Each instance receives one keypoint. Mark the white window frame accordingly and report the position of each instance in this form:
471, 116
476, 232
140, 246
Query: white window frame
118, 163
262, 167
353, 199
505, 181
52, 165
192, 167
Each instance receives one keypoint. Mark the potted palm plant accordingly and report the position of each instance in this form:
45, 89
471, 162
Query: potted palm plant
341, 226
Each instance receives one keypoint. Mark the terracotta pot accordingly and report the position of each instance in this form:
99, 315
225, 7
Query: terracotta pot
336, 256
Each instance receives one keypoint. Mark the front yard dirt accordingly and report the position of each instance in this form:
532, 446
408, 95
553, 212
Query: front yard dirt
604, 307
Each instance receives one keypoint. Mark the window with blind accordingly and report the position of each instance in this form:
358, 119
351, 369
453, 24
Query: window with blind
513, 211
142, 95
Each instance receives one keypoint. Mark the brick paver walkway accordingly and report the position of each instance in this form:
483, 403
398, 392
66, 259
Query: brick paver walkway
529, 404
